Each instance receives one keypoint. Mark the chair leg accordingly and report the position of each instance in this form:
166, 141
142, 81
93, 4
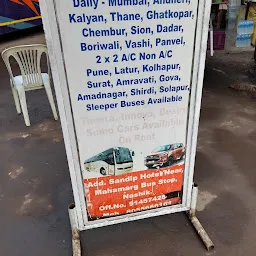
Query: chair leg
23, 103
51, 100
16, 100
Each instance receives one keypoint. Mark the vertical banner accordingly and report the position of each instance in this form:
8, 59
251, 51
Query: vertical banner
129, 65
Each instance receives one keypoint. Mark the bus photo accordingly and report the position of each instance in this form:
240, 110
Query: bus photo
113, 161
16, 15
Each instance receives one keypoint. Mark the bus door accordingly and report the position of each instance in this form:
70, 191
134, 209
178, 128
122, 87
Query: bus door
111, 163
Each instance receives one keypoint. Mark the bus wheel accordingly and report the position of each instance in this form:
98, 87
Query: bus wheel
103, 171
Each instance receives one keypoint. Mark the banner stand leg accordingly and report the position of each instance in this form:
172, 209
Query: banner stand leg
75, 231
196, 223
191, 215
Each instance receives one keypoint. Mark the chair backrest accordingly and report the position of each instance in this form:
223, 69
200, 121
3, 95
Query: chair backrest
28, 58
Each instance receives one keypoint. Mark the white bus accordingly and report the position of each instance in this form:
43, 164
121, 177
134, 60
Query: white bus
113, 161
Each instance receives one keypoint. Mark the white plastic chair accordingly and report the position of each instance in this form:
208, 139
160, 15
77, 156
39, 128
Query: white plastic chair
28, 58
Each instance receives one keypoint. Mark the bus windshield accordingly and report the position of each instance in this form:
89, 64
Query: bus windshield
123, 155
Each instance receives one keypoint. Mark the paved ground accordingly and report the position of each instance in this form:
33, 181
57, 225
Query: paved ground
35, 187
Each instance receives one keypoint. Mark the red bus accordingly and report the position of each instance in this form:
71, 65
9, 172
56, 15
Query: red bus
19, 14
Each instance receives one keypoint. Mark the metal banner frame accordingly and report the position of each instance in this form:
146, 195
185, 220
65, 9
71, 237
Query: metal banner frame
78, 213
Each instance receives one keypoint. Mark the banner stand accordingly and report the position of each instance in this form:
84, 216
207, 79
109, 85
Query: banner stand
141, 163
76, 244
